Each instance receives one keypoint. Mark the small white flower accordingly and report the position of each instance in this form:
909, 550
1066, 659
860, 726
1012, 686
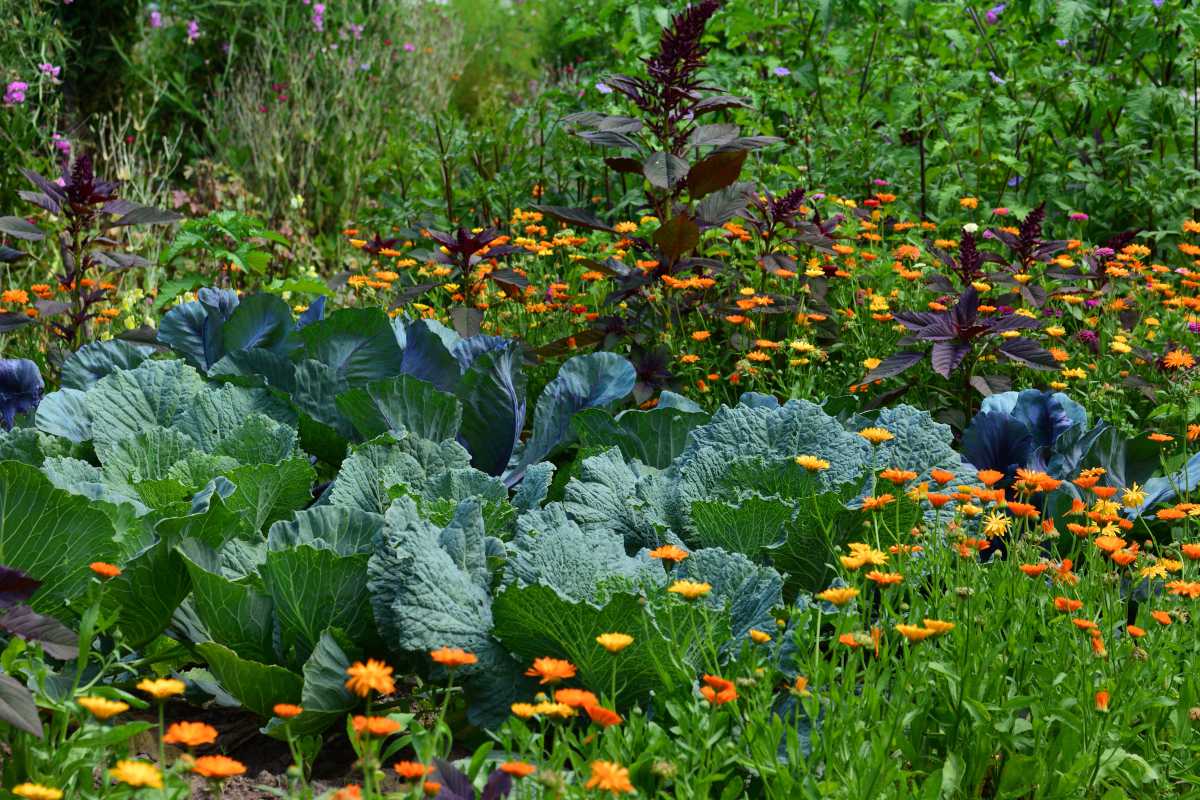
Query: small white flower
970, 227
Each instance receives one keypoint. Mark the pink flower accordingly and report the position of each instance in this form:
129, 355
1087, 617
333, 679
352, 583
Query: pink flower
61, 144
155, 19
318, 17
409, 47
193, 31
14, 93
50, 70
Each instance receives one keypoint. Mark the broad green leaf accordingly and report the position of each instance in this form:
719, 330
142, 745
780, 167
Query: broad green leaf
746, 527
314, 589
156, 393
537, 621
95, 360
257, 686
49, 534
654, 437
236, 612
270, 492
345, 531
402, 404
357, 343
324, 698
150, 587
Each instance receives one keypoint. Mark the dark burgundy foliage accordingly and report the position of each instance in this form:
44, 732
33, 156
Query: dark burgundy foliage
954, 334
17, 707
455, 785
465, 250
89, 207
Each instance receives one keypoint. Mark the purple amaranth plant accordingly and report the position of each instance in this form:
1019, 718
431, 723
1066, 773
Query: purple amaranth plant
955, 334
89, 208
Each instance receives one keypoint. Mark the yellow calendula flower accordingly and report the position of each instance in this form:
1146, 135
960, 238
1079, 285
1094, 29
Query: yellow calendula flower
876, 435
162, 688
1133, 496
102, 707
137, 774
839, 596
689, 590
37, 791
614, 642
759, 637
812, 463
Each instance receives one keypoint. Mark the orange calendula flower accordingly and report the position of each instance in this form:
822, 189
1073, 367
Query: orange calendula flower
1161, 617
1066, 605
551, 670
104, 569
941, 476
885, 578
376, 726
576, 698
431, 788
689, 590
1084, 624
1135, 631
604, 717
1109, 544
162, 688
938, 626
914, 633
759, 637
351, 792
669, 552
1022, 509
874, 503
190, 734
614, 642
718, 691
876, 435
287, 710
1191, 551
898, 476
1102, 700
1160, 437
518, 769
410, 770
219, 767
1189, 589
453, 657
989, 476
609, 776
372, 676
1034, 570
102, 707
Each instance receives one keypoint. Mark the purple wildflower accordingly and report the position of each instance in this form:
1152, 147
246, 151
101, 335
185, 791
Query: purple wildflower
155, 19
1062, 42
49, 70
1105, 252
603, 88
62, 145
880, 182
1077, 216
1194, 327
193, 31
318, 17
14, 93
993, 14
782, 72
996, 79
409, 47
